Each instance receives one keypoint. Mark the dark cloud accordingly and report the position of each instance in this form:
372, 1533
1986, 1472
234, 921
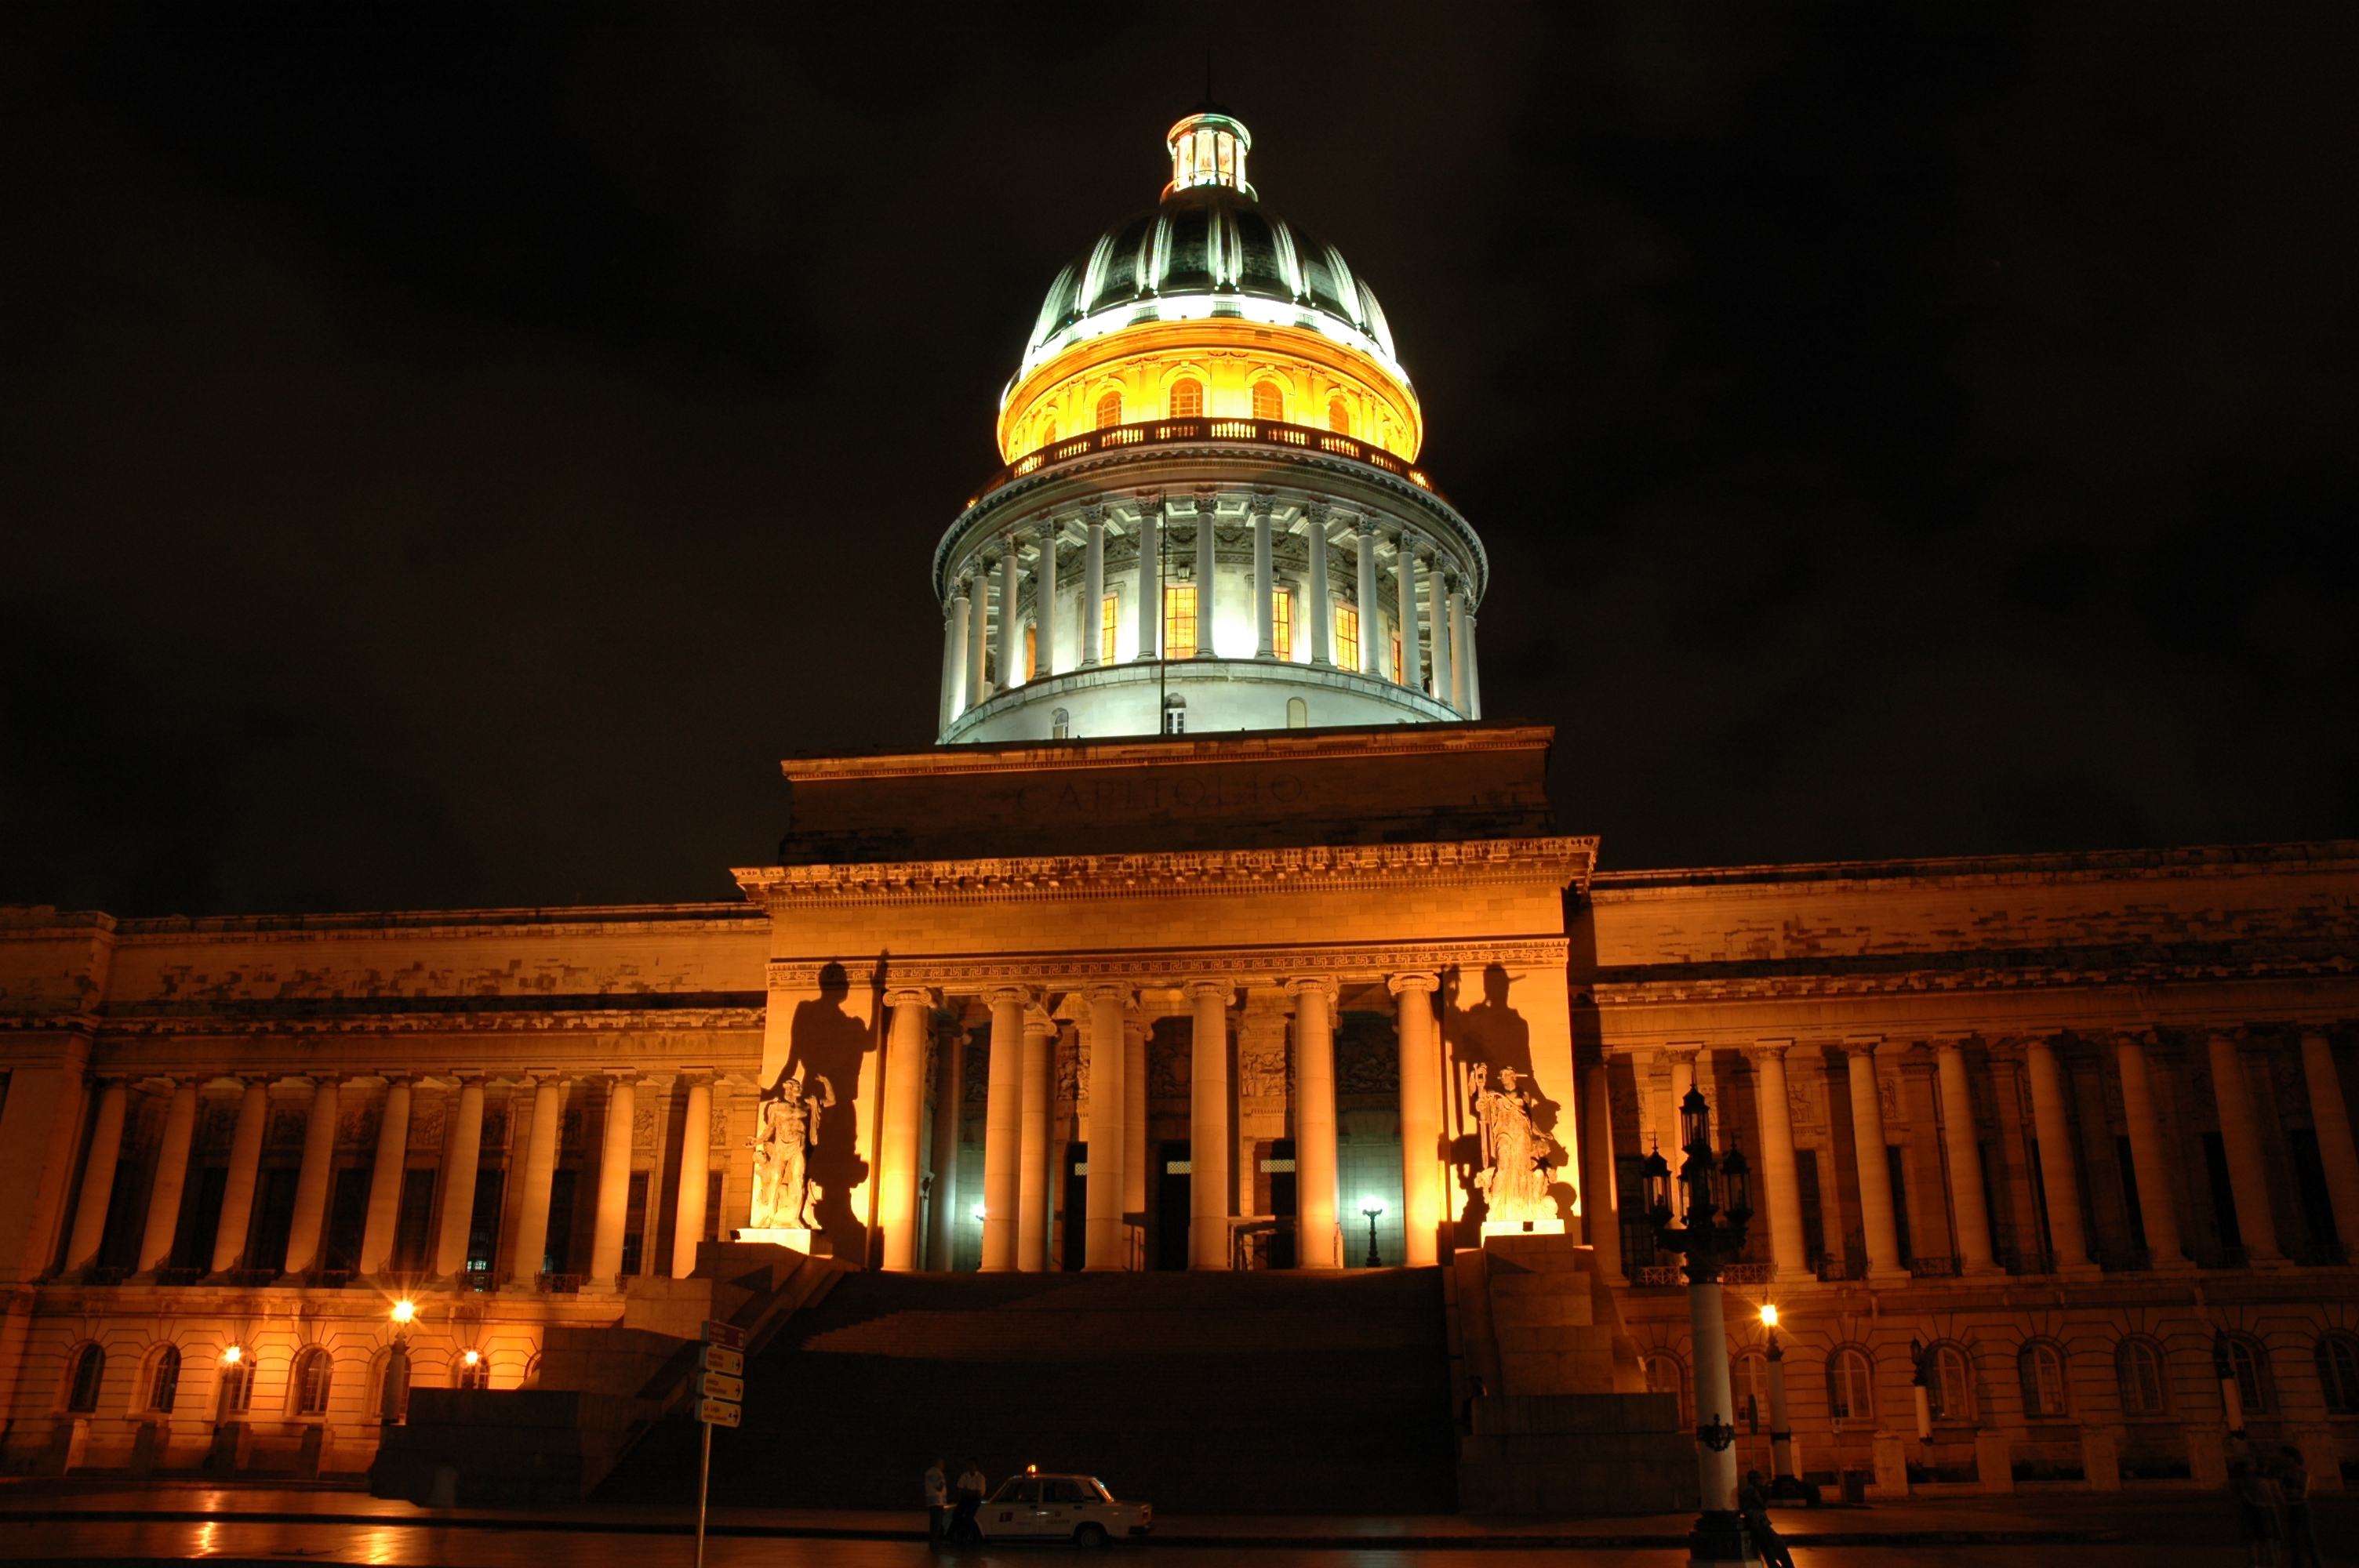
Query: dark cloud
453, 455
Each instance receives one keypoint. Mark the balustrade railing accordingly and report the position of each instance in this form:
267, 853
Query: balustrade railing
250, 1279
559, 1284
180, 1276
104, 1276
1933, 1268
1746, 1273
1163, 432
1657, 1275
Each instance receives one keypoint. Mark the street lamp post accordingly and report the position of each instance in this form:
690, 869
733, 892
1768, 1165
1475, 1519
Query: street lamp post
1375, 1261
1781, 1436
1719, 1191
396, 1396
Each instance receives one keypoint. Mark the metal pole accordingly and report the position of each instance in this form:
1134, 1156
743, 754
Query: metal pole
704, 1487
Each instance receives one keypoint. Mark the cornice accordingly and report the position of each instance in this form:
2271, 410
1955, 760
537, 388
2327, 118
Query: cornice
249, 1021
2193, 862
1272, 746
1176, 873
1979, 977
1173, 969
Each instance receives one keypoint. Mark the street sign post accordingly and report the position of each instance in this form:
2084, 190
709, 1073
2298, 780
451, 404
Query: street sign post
720, 1395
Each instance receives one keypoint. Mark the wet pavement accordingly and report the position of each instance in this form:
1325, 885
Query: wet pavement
92, 1523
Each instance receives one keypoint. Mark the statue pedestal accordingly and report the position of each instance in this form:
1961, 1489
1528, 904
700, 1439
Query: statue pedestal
810, 1242
1522, 1228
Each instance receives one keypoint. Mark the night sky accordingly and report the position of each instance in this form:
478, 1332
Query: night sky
449, 459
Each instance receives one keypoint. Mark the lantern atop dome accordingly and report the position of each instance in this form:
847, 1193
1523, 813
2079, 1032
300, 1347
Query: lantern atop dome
1209, 148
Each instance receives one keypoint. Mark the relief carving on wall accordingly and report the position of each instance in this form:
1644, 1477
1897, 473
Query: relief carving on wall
643, 1122
569, 1129
1170, 1062
356, 1125
495, 1129
1367, 1059
220, 1127
1072, 1067
287, 1129
720, 1133
1261, 1069
426, 1124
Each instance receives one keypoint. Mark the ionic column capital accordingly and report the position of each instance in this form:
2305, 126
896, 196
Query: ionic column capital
1861, 1045
1424, 983
1209, 984
1008, 996
1039, 1022
1106, 991
1324, 984
909, 996
1682, 1054
1767, 1051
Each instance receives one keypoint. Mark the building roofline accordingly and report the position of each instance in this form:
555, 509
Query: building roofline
2219, 859
1155, 751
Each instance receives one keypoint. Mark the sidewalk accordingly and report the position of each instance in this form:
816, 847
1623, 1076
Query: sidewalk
2176, 1515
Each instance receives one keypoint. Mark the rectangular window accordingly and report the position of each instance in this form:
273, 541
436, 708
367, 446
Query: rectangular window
1281, 623
1032, 653
1347, 637
2130, 1191
712, 1206
2309, 1181
2224, 1198
200, 1218
1814, 1214
483, 1223
559, 1257
1397, 661
414, 1224
274, 1219
1179, 620
347, 1220
1893, 1162
635, 1223
1109, 616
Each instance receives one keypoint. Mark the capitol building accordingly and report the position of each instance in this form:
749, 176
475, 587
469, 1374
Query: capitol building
1183, 975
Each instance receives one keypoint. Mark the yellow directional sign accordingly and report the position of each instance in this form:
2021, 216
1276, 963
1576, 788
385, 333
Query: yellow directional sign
718, 1359
719, 1386
721, 1412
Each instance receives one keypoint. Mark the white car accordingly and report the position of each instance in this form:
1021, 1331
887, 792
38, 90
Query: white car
1033, 1507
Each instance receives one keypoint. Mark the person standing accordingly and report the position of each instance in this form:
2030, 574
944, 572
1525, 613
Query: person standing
938, 1504
2300, 1537
970, 1488
1753, 1503
2259, 1502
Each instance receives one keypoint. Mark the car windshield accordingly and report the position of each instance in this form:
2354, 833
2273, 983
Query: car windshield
1090, 1482
1012, 1492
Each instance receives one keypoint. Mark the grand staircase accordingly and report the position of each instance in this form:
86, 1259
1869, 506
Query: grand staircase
1200, 1393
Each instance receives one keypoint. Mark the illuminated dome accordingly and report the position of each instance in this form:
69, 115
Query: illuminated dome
1210, 249
1212, 516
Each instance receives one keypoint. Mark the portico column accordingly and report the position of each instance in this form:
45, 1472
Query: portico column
1011, 634
1207, 507
1600, 1211
1965, 1150
953, 665
463, 1156
1437, 616
1093, 586
1105, 1249
1150, 587
384, 1178
1473, 673
950, 1112
1371, 657
1135, 1026
1874, 1174
1420, 1116
905, 1115
1777, 1170
1208, 1124
1003, 1127
171, 1179
2060, 1189
2156, 1210
2240, 1133
1682, 1060
1322, 650
613, 1184
1412, 674
978, 635
1044, 603
1318, 1243
98, 1176
2330, 1119
311, 1180
695, 1177
1265, 584
245, 1165
539, 1175
1032, 1172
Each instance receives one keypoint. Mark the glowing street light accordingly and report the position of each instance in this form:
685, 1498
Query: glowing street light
403, 1310
396, 1396
232, 1356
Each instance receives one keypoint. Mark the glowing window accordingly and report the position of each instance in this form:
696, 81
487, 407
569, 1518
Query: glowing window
1851, 1394
1187, 399
1953, 1384
2338, 1373
89, 1373
1047, 431
1061, 724
236, 1389
2139, 1365
164, 1382
1109, 410
1397, 661
312, 1374
1339, 418
1268, 403
1031, 653
1347, 637
1179, 620
1109, 616
475, 1374
1281, 623
2043, 1380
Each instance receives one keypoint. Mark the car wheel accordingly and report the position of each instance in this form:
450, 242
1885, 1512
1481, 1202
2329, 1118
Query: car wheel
1092, 1536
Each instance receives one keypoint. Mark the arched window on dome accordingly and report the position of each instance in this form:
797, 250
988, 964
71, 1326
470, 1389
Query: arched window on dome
1187, 398
1268, 402
1048, 432
1339, 417
1109, 410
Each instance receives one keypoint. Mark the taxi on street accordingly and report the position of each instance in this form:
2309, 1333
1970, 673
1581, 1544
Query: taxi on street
1079, 1508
